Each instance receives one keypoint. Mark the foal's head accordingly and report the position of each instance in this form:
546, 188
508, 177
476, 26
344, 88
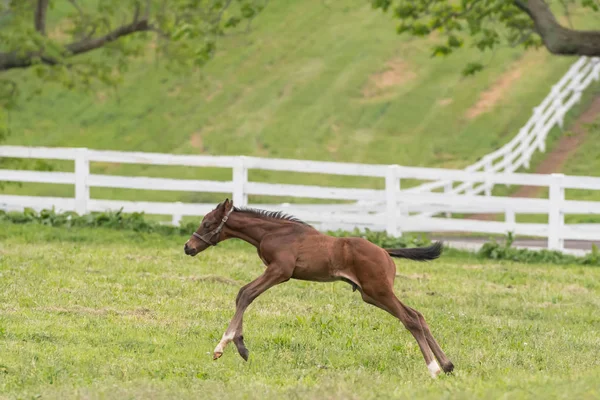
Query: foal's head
210, 231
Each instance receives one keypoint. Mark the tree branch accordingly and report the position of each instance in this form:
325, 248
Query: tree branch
39, 18
136, 13
86, 45
557, 38
14, 60
522, 6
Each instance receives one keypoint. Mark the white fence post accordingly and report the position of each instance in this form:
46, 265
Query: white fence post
82, 190
176, 218
524, 153
448, 189
558, 106
542, 143
537, 129
488, 184
509, 219
555, 214
240, 177
392, 185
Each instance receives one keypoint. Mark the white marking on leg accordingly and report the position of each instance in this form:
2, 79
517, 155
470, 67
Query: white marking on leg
227, 337
434, 369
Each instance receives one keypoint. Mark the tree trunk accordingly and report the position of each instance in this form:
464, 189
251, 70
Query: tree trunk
39, 17
558, 39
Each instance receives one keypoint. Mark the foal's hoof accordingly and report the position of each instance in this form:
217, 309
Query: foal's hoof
448, 368
217, 354
244, 353
239, 343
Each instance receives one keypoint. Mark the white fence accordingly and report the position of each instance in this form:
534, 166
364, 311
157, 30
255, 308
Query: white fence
532, 136
395, 216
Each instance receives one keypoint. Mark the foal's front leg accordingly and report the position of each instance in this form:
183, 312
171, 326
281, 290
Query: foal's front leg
274, 274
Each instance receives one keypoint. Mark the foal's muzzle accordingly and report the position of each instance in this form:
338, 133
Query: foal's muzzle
189, 251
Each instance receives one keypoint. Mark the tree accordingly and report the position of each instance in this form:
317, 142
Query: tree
80, 43
490, 23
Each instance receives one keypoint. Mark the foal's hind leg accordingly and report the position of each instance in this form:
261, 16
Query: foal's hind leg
445, 362
385, 299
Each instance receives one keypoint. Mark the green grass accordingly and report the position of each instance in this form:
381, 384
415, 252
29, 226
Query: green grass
104, 314
295, 87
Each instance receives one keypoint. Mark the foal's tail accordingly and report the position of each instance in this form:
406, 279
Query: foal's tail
418, 253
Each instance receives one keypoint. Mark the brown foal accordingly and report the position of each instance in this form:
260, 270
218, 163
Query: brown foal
291, 248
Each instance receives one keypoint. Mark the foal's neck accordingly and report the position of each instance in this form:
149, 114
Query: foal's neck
249, 228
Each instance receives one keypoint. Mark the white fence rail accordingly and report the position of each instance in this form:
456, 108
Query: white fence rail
395, 215
532, 136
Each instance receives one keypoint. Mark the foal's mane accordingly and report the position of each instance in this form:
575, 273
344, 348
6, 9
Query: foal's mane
269, 214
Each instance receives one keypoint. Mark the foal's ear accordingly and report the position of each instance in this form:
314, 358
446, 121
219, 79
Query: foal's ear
227, 205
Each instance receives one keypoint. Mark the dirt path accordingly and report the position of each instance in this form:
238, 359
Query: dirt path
564, 149
556, 159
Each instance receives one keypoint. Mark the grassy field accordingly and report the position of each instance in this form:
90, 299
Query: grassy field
104, 314
312, 80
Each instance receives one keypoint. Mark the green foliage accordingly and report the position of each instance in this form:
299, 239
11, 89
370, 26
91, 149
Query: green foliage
137, 222
484, 24
593, 4
113, 220
497, 251
382, 239
472, 68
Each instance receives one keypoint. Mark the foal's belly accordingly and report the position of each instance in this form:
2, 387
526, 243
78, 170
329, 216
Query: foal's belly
319, 261
313, 272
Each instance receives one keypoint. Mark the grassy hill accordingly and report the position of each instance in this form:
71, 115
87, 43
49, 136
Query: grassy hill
311, 80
